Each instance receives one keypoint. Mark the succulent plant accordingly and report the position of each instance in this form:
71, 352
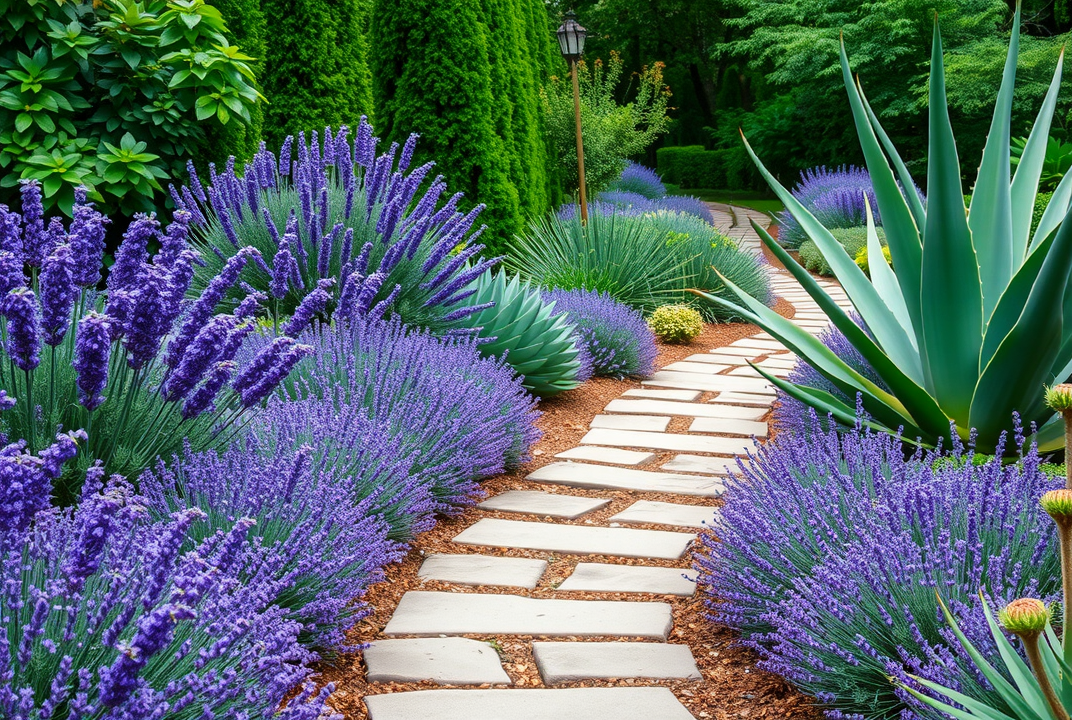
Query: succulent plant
538, 343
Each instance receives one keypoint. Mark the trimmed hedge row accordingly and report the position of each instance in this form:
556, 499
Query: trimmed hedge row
691, 166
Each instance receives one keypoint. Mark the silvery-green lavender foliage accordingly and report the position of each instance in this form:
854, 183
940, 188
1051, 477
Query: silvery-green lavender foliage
831, 546
457, 416
107, 615
138, 366
636, 178
617, 340
344, 220
315, 547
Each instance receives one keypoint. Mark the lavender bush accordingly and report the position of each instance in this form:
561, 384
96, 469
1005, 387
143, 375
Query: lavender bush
137, 366
636, 178
830, 549
341, 213
313, 549
637, 191
106, 615
835, 197
617, 340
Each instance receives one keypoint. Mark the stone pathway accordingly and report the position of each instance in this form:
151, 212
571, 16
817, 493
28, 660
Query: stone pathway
727, 403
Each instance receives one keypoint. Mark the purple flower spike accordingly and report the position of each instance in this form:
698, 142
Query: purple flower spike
11, 272
33, 218
10, 234
275, 375
87, 244
23, 328
91, 351
148, 320
198, 357
315, 303
203, 398
133, 255
58, 294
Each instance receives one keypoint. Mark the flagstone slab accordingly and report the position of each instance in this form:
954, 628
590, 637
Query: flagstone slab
704, 368
651, 423
768, 345
534, 502
576, 539
443, 613
727, 426
563, 662
723, 467
483, 570
446, 661
713, 383
604, 577
684, 409
742, 352
582, 475
718, 359
650, 512
666, 441
746, 371
675, 395
746, 399
613, 456
620, 703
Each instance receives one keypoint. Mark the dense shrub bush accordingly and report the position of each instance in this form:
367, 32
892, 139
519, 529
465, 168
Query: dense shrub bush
114, 96
831, 546
346, 221
615, 337
691, 166
106, 615
676, 323
636, 178
853, 239
514, 323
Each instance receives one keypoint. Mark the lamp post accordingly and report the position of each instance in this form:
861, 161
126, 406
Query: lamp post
571, 42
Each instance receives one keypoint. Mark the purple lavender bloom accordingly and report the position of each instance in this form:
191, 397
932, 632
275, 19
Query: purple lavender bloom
11, 272
10, 234
616, 338
19, 307
58, 294
261, 387
688, 205
266, 358
87, 242
34, 237
636, 178
314, 304
198, 357
202, 399
173, 241
133, 255
148, 320
26, 486
91, 351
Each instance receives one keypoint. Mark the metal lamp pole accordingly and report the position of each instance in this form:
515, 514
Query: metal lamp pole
571, 42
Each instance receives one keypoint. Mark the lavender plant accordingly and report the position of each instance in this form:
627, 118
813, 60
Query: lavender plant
340, 212
636, 178
107, 616
831, 546
835, 196
137, 366
313, 550
617, 340
687, 205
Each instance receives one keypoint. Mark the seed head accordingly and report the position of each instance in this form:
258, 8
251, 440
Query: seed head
1025, 616
1059, 397
1058, 504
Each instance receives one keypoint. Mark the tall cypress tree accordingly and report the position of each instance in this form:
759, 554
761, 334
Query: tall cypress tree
432, 75
315, 66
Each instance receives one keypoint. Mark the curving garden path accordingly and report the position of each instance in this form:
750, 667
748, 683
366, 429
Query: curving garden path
704, 410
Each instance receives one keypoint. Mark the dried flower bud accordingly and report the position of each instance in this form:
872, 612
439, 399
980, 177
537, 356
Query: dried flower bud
1058, 504
1059, 397
1025, 616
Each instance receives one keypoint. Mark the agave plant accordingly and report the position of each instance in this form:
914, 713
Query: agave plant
973, 317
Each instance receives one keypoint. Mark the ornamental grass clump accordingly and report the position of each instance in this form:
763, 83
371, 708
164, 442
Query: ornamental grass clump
142, 365
314, 548
616, 338
676, 323
341, 213
108, 615
832, 544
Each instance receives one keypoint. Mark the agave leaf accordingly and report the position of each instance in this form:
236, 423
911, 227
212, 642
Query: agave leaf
902, 232
1029, 169
1055, 211
990, 215
885, 281
890, 335
915, 205
1011, 305
951, 299
976, 709
1063, 657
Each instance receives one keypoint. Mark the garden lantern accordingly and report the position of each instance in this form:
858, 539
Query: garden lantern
571, 37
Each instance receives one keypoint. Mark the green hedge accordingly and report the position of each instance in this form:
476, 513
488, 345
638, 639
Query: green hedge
691, 166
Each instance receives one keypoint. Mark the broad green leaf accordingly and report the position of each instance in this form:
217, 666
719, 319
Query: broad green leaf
1056, 209
951, 301
1011, 305
990, 214
885, 282
983, 711
907, 183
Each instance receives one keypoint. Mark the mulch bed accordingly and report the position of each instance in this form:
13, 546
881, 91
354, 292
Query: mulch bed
733, 687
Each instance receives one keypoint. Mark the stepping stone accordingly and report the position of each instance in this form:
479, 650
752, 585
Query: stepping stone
718, 359
777, 363
667, 441
729, 427
723, 467
533, 502
714, 383
614, 456
447, 661
638, 422
739, 398
683, 409
576, 539
563, 662
738, 351
483, 570
678, 395
644, 512
703, 368
746, 371
444, 613
603, 577
598, 476
643, 703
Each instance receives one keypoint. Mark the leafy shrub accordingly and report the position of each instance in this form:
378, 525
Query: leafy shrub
345, 220
864, 264
1042, 201
612, 132
1056, 161
76, 358
106, 615
853, 239
636, 178
458, 416
691, 166
515, 324
114, 96
830, 548
676, 323
313, 549
615, 337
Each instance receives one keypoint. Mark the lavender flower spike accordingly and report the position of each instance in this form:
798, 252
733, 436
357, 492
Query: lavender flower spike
91, 349
271, 379
58, 293
315, 303
33, 218
23, 328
